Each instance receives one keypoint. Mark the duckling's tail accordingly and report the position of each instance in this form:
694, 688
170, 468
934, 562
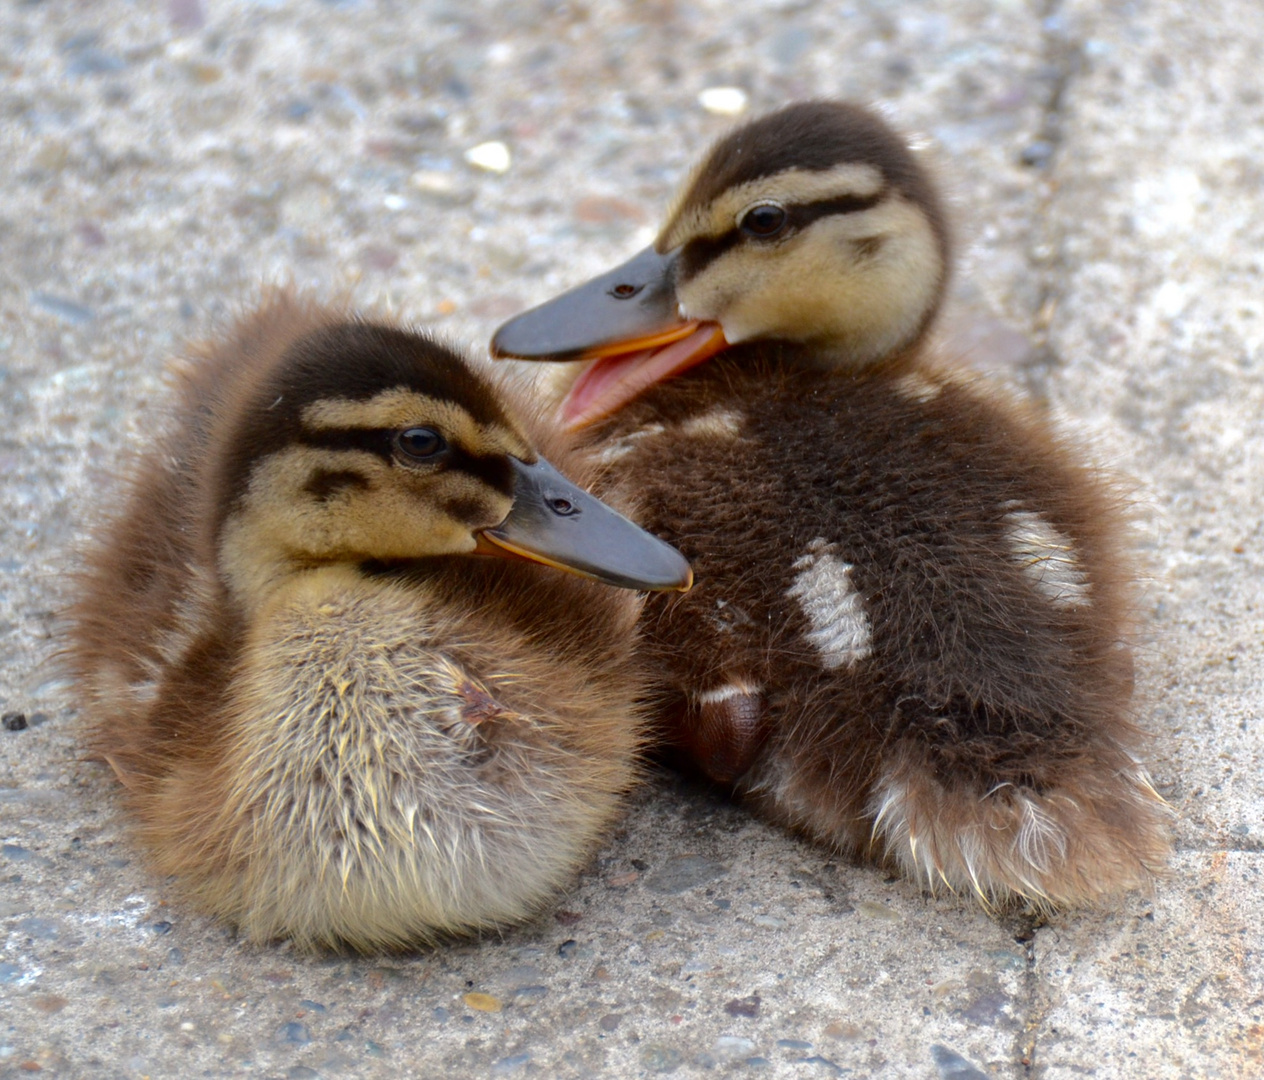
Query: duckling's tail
1103, 832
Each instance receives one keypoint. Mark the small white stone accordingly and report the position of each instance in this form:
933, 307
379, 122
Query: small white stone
733, 1047
723, 100
491, 156
643, 237
433, 182
1170, 299
183, 48
394, 202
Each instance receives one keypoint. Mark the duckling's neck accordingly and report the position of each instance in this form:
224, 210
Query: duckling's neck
829, 354
254, 567
826, 357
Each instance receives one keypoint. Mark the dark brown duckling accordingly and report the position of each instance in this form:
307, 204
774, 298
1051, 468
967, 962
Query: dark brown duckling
911, 624
331, 721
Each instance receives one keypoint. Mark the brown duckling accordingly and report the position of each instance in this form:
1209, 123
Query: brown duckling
332, 722
911, 625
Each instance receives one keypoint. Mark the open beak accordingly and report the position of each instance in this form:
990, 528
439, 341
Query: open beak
556, 523
626, 322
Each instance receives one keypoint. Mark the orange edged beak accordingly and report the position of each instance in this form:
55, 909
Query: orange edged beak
626, 322
556, 523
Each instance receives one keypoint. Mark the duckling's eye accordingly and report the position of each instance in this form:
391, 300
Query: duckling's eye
422, 443
763, 220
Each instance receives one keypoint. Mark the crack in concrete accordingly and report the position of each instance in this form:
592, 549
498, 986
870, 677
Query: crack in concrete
1023, 928
1063, 60
1063, 56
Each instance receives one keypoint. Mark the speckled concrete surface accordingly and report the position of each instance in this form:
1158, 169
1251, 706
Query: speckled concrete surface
159, 160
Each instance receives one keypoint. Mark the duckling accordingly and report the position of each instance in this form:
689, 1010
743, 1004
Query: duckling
910, 633
332, 722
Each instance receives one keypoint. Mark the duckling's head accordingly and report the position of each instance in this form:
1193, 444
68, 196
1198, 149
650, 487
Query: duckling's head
814, 225
368, 443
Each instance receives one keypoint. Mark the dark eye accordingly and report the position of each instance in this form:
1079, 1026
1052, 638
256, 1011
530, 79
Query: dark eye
764, 220
561, 506
422, 443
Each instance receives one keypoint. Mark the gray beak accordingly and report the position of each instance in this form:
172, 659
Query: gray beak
556, 523
631, 307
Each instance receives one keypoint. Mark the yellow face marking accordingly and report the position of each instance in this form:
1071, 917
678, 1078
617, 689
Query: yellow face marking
793, 186
398, 513
401, 408
820, 285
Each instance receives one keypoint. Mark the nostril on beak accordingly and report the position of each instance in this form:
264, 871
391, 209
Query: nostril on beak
562, 506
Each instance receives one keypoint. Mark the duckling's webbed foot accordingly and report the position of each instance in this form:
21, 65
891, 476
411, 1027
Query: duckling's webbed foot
723, 729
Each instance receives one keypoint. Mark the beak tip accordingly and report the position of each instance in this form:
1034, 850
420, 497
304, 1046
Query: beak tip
498, 348
679, 579
686, 581
600, 543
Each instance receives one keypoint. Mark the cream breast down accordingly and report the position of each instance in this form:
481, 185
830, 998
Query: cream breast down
911, 629
333, 717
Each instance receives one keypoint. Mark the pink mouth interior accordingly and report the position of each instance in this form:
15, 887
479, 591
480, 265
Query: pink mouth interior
610, 382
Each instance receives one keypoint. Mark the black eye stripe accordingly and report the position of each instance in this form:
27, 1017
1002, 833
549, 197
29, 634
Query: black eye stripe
375, 441
807, 213
492, 469
470, 511
698, 254
325, 483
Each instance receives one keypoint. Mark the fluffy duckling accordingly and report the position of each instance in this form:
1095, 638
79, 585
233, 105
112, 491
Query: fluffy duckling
332, 722
910, 629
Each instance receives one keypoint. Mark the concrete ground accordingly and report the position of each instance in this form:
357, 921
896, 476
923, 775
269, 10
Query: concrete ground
160, 159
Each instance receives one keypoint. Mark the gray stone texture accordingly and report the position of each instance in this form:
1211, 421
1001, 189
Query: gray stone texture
161, 160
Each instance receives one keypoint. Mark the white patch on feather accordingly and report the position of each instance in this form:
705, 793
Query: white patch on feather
1047, 557
625, 444
840, 628
1041, 842
723, 693
724, 423
915, 386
